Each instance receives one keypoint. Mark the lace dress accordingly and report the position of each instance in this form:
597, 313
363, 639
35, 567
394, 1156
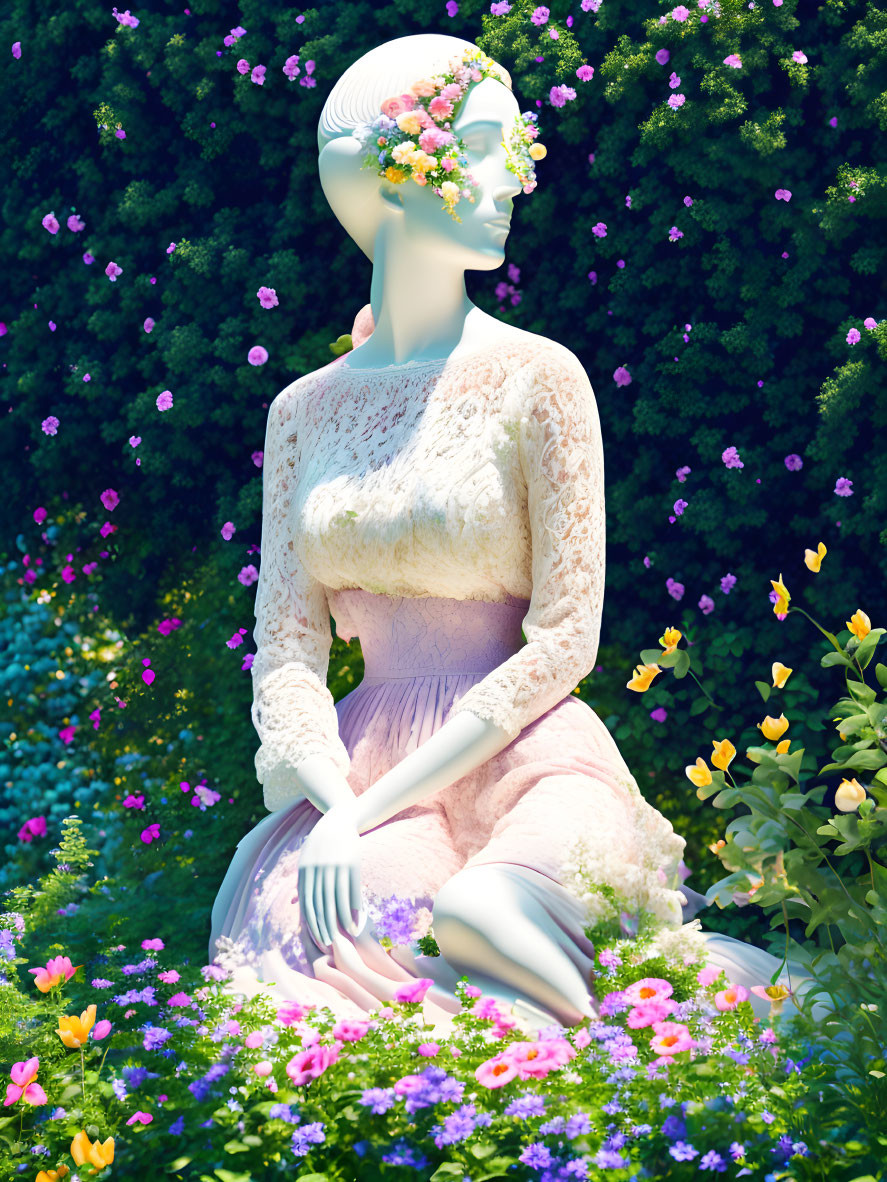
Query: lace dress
435, 511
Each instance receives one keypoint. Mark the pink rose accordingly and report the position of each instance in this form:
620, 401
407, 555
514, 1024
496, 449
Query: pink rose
312, 1063
413, 991
348, 1030
392, 107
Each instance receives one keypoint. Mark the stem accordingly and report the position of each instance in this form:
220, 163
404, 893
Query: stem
871, 867
102, 1064
705, 692
82, 1076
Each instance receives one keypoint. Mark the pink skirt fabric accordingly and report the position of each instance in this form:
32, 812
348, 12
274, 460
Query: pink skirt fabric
563, 775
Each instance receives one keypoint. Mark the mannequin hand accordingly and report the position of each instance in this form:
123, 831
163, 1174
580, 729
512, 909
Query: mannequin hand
329, 877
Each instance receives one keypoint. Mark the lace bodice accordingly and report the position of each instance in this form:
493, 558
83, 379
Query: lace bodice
479, 478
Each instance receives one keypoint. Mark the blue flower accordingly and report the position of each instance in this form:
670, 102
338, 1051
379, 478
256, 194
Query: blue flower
378, 1099
674, 1128
178, 1126
609, 1159
555, 1125
536, 1155
306, 1136
578, 1125
713, 1161
526, 1105
403, 1154
682, 1151
459, 1125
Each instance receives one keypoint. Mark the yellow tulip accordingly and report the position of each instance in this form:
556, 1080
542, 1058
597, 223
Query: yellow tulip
74, 1031
724, 753
813, 558
782, 748
96, 1154
52, 1175
781, 604
698, 773
773, 728
780, 674
642, 678
669, 640
859, 624
849, 795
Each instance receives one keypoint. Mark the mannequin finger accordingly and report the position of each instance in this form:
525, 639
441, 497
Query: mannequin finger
354, 884
343, 878
317, 895
306, 899
329, 902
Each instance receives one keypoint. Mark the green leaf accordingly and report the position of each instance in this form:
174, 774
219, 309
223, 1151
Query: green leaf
835, 659
763, 689
235, 1146
700, 705
652, 656
881, 674
342, 344
866, 648
180, 1162
314, 1178
482, 1150
682, 664
230, 1176
449, 1169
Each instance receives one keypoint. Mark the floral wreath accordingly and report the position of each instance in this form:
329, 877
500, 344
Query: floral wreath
436, 154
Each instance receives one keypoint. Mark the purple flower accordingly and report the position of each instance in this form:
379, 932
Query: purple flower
536, 1155
155, 1037
662, 56
679, 506
267, 297
609, 1159
621, 376
258, 75
459, 1125
306, 1136
681, 1151
526, 1106
50, 425
403, 1154
674, 233
112, 271
578, 1125
248, 575
731, 459
291, 69
675, 101
585, 73
728, 582
675, 590
843, 487
793, 462
178, 1126
683, 473
397, 920
713, 1161
539, 16
164, 400
378, 1100
50, 223
500, 8
706, 605
257, 355
599, 229
16, 49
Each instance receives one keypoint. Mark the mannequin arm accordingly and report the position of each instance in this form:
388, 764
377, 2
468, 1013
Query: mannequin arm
461, 745
321, 782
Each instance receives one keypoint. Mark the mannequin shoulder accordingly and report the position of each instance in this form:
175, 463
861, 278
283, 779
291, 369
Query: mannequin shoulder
298, 391
550, 361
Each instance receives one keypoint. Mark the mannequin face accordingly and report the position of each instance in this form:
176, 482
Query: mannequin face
485, 117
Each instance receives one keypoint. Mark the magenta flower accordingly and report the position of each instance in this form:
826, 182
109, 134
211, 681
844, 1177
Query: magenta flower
164, 400
675, 590
731, 459
248, 575
144, 1118
585, 73
74, 224
291, 66
853, 336
152, 833
312, 1063
124, 18
16, 49
783, 194
101, 1029
155, 944
793, 462
23, 1086
243, 66
169, 977
35, 827
539, 16
112, 271
134, 802
680, 13
674, 233
683, 473
799, 56
228, 530
50, 223
88, 257
599, 230
267, 297
843, 487
674, 81
66, 734
733, 60
50, 425
257, 355
237, 639
258, 75
621, 376
413, 991
109, 499
179, 999
679, 506
350, 1030
675, 101
706, 605
663, 56
148, 325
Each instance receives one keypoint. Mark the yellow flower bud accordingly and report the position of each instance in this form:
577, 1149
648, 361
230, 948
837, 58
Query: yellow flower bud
813, 558
849, 795
642, 678
669, 640
783, 747
724, 753
718, 845
538, 151
773, 728
698, 773
859, 624
781, 604
780, 674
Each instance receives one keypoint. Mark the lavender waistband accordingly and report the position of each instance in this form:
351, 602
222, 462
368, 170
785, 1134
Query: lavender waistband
404, 636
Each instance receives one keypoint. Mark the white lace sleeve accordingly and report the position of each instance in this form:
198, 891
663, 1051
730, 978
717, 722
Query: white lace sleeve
562, 458
293, 711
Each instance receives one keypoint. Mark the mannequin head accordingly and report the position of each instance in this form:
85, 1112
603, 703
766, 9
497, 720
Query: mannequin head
407, 214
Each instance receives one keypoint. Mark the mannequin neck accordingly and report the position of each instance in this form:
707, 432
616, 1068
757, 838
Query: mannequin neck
418, 299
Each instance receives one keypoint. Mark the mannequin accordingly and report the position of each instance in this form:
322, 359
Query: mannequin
491, 920
405, 234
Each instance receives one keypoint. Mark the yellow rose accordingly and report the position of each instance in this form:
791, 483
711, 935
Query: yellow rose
849, 795
698, 773
407, 121
813, 558
402, 152
74, 1031
781, 604
538, 151
642, 678
780, 674
773, 728
859, 624
396, 175
724, 753
669, 640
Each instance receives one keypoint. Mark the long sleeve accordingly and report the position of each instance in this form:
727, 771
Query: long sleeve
292, 711
561, 454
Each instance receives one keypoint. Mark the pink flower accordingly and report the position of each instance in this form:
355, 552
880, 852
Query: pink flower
50, 425
680, 13
155, 944
75, 224
257, 355
179, 999
348, 1030
258, 75
729, 998
169, 977
148, 324
144, 1118
254, 1039
534, 1060
733, 60
392, 107
134, 802
22, 1086
228, 530
312, 1063
112, 271
152, 833
110, 499
440, 109
101, 1029
843, 487
35, 827
413, 991
783, 195
671, 1038
650, 1012
291, 1012
164, 400
585, 73
427, 1049
582, 1038
243, 66
263, 1068
708, 975
248, 575
496, 1072
50, 223
267, 297
291, 66
648, 989
57, 969
16, 49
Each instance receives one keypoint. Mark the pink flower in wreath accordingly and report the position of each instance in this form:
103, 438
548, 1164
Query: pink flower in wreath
392, 107
440, 108
648, 989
